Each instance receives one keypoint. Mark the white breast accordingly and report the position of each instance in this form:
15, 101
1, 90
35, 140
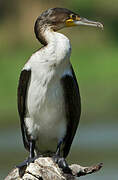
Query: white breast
46, 118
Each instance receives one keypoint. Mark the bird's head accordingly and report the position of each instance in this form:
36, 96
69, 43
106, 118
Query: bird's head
58, 18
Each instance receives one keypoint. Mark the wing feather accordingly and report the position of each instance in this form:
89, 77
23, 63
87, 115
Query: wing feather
73, 108
22, 95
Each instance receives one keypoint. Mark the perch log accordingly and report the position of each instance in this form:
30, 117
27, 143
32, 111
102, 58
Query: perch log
46, 169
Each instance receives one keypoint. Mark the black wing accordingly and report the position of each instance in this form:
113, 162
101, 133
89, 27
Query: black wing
22, 93
73, 108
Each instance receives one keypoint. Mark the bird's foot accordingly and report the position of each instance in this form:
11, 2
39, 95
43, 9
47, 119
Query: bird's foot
25, 163
28, 161
62, 164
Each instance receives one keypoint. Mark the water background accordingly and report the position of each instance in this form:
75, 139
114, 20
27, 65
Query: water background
93, 144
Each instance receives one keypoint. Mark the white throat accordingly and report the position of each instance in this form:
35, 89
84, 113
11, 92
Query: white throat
58, 45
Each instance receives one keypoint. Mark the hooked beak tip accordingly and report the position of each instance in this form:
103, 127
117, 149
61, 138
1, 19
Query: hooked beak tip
100, 25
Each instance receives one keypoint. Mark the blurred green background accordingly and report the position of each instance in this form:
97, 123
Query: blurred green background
95, 60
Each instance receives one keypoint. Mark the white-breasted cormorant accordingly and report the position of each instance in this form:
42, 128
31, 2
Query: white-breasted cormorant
48, 95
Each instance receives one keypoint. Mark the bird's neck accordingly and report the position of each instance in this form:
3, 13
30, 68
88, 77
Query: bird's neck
56, 43
47, 35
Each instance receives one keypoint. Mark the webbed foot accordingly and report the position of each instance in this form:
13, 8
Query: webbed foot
25, 163
62, 164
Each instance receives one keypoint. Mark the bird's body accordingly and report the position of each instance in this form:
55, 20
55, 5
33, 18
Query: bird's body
45, 117
48, 94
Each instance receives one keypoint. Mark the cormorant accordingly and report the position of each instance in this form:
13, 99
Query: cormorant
48, 94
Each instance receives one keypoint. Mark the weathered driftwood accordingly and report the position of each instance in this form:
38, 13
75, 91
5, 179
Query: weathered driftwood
46, 169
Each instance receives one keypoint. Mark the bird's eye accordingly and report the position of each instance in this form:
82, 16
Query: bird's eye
73, 16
